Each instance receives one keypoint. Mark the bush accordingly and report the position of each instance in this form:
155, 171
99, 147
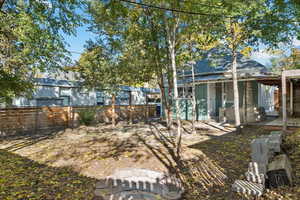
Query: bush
87, 116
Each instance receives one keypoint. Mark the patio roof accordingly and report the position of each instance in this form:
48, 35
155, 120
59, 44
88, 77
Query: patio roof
286, 75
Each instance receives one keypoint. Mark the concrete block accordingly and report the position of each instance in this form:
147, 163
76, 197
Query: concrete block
249, 188
274, 144
254, 174
280, 171
260, 153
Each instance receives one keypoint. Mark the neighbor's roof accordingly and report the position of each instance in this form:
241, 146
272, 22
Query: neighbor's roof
67, 83
56, 82
141, 89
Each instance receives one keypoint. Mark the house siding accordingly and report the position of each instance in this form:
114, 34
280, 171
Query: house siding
210, 110
185, 105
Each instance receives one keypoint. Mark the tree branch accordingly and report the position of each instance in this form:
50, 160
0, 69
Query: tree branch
1, 3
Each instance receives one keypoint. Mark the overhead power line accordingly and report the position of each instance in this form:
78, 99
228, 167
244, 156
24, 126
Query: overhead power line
174, 9
195, 13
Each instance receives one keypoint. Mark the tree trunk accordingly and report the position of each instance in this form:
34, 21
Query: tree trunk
235, 89
164, 100
234, 76
193, 101
1, 3
171, 40
113, 105
170, 103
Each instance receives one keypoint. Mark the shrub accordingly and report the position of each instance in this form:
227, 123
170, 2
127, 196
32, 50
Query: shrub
87, 116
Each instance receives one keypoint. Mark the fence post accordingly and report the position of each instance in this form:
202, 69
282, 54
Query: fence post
130, 108
147, 108
36, 119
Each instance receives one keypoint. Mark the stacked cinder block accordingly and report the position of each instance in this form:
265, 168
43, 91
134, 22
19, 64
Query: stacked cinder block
254, 184
262, 150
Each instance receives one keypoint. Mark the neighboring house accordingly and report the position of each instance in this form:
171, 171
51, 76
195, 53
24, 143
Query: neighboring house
214, 88
53, 92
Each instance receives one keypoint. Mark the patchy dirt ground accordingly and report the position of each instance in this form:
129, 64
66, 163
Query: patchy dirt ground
231, 152
98, 151
218, 155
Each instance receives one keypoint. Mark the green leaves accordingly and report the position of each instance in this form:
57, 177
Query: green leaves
31, 41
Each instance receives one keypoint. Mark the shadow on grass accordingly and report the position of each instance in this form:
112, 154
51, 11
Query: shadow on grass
26, 140
199, 174
22, 178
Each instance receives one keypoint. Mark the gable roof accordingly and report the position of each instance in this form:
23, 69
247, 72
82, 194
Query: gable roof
218, 60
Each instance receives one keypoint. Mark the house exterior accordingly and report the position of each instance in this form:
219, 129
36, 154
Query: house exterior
53, 92
214, 88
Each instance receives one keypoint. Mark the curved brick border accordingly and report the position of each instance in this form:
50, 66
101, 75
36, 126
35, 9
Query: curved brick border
141, 186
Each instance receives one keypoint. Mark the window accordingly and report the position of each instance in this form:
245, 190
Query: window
65, 100
229, 92
100, 98
122, 98
65, 91
185, 92
49, 102
83, 91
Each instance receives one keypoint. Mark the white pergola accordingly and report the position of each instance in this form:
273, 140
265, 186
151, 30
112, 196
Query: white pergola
287, 75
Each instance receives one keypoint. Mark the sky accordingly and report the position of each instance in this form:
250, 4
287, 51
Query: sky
76, 43
77, 46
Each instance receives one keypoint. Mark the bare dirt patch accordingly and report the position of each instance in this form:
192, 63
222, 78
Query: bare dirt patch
100, 150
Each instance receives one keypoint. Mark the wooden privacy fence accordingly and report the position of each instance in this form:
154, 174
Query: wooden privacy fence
33, 119
37, 119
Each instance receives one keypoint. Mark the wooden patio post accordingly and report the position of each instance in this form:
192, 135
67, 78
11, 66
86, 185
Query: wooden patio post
245, 102
284, 117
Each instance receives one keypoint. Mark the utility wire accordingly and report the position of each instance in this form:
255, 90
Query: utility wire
195, 13
173, 9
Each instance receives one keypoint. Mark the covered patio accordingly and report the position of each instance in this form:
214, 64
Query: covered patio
288, 100
291, 101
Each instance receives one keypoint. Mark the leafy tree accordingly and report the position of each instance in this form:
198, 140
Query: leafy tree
283, 61
252, 23
105, 65
154, 42
31, 40
100, 71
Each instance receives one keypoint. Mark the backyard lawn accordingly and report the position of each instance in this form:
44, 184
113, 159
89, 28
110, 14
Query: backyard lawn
221, 158
24, 179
